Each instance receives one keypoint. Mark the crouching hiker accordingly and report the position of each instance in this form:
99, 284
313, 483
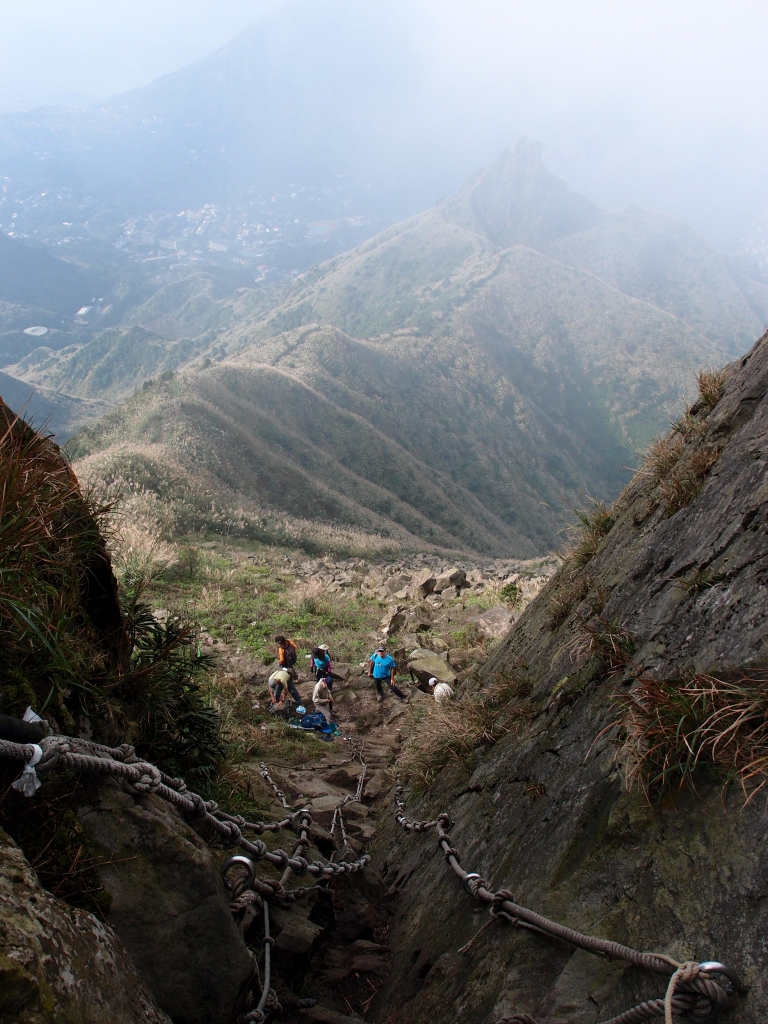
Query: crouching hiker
322, 699
279, 681
381, 668
440, 691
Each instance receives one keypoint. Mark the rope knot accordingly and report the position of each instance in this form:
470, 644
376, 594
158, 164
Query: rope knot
232, 832
199, 811
688, 970
474, 884
685, 973
499, 898
53, 747
149, 780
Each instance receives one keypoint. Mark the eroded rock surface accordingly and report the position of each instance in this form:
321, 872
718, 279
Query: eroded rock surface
169, 906
546, 812
59, 965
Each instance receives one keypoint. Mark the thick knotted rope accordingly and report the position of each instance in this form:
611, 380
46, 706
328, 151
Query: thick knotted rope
692, 989
142, 779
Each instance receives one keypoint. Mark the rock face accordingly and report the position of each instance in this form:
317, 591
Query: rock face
546, 812
59, 964
169, 907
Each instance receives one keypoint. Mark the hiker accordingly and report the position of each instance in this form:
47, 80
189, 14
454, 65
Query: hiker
281, 680
287, 653
440, 691
322, 699
381, 667
321, 663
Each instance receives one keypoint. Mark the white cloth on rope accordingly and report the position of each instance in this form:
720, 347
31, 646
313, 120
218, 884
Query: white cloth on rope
28, 782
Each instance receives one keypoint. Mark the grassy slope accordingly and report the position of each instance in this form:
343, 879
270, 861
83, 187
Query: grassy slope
425, 385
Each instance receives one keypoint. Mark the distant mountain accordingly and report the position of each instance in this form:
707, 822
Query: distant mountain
46, 410
291, 99
463, 378
646, 255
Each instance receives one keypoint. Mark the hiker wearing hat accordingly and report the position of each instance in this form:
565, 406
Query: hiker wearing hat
440, 691
322, 699
321, 662
281, 680
381, 667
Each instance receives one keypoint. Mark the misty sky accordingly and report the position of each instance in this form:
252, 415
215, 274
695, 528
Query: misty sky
659, 103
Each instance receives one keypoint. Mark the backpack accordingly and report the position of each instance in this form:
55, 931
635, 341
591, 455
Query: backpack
314, 720
289, 654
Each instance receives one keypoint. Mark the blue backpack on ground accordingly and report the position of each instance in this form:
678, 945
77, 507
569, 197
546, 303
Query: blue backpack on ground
314, 720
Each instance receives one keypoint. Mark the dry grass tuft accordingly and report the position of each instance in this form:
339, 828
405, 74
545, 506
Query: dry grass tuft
662, 455
711, 387
683, 485
613, 643
566, 597
594, 522
672, 728
445, 736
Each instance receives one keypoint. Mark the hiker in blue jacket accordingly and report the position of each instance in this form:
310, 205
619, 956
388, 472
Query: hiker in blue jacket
381, 667
321, 663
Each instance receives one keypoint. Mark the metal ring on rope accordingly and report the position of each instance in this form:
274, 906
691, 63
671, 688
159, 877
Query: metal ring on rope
241, 884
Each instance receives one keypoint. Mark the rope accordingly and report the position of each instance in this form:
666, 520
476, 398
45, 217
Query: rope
278, 792
268, 940
140, 778
691, 990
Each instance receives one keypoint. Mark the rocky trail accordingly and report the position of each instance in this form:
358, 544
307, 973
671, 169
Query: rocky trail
332, 946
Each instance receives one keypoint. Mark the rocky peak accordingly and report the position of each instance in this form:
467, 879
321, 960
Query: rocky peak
517, 201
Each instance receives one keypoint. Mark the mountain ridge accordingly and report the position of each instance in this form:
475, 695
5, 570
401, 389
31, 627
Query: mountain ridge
520, 383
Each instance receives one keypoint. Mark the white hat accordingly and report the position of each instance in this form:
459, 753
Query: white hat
433, 681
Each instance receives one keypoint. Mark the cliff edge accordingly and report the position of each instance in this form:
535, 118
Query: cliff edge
625, 800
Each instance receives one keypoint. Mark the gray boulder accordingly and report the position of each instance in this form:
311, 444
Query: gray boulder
423, 582
495, 622
58, 963
393, 621
425, 664
451, 578
169, 906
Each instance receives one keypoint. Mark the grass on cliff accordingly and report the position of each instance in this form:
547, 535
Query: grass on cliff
49, 534
679, 462
451, 736
669, 729
593, 522
672, 728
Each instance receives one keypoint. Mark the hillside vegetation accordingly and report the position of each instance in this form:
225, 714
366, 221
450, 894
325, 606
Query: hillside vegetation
447, 383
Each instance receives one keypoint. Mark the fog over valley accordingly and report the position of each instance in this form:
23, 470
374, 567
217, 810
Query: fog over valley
383, 512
